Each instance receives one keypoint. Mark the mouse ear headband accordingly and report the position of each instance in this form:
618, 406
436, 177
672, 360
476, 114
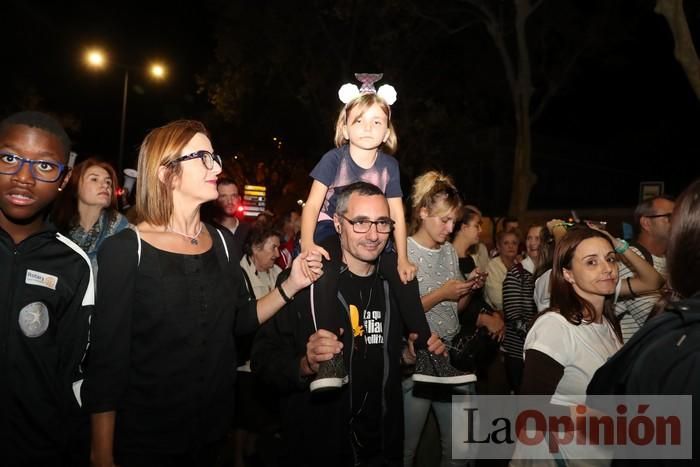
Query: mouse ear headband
349, 91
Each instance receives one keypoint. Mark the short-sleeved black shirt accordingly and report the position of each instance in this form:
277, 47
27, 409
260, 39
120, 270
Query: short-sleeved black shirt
162, 352
365, 299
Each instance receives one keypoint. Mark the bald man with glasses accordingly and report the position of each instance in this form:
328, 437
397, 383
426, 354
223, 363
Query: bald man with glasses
653, 220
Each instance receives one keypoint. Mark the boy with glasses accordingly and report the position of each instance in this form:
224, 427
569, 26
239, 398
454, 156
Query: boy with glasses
47, 295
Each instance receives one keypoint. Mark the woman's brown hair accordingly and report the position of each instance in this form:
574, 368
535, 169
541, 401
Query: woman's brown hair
564, 299
154, 199
65, 213
683, 254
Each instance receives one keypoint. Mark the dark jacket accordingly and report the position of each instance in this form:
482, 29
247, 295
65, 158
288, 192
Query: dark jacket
46, 299
316, 426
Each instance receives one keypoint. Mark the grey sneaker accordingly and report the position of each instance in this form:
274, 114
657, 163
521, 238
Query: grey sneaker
431, 368
331, 374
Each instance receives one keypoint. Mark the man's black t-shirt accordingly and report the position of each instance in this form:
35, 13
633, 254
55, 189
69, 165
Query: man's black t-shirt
365, 299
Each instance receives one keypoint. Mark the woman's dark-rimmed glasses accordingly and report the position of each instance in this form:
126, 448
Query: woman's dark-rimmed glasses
207, 158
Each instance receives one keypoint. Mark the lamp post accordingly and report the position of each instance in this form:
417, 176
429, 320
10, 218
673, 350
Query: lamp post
123, 124
97, 59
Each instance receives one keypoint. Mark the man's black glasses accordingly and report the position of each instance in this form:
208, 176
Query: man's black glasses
383, 226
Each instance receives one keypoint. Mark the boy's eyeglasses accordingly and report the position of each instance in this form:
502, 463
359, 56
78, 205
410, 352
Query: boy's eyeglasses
208, 159
44, 171
383, 226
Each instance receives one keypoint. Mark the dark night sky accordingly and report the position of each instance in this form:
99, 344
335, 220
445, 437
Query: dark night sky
628, 113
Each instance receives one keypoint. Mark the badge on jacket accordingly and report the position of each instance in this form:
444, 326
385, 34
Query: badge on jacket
34, 319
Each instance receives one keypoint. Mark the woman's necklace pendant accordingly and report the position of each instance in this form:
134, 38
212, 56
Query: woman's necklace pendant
192, 238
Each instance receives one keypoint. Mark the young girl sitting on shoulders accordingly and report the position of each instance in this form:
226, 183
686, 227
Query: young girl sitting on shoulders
364, 139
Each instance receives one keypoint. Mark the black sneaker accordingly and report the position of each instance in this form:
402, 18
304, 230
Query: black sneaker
431, 368
331, 374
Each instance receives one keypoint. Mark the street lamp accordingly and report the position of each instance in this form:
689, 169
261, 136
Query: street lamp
157, 70
97, 59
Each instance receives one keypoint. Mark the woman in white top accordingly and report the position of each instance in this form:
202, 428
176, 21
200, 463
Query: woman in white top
579, 332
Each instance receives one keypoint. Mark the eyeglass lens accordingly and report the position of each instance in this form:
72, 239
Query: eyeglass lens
45, 171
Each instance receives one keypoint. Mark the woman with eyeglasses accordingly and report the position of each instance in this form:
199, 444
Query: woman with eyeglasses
86, 210
161, 370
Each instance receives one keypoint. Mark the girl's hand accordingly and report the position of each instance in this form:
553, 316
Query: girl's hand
407, 270
101, 459
314, 251
297, 279
454, 289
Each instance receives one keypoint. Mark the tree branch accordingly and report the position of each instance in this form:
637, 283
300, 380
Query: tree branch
535, 6
554, 87
495, 29
684, 49
481, 8
442, 24
522, 13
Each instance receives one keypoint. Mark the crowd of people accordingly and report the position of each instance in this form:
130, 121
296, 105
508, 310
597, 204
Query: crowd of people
333, 331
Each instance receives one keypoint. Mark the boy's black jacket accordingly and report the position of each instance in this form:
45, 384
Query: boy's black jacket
48, 276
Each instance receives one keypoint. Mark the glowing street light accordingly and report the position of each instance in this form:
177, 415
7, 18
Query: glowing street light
95, 58
158, 70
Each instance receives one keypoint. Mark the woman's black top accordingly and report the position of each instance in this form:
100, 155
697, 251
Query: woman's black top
162, 352
469, 316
